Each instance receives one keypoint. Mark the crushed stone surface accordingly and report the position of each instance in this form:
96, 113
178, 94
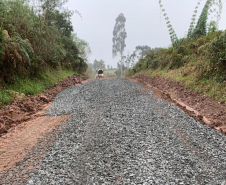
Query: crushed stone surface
120, 133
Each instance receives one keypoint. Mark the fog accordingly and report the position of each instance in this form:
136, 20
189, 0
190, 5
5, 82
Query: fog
144, 23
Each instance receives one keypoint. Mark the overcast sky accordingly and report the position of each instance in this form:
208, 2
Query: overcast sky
144, 23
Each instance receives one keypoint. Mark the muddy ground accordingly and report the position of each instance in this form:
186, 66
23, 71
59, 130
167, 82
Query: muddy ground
24, 110
197, 105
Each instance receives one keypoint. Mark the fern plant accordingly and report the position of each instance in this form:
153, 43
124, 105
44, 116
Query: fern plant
18, 50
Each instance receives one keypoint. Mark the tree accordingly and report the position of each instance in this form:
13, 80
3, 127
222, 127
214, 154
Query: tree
98, 65
143, 50
140, 52
37, 35
212, 27
200, 28
201, 25
193, 20
95, 65
119, 36
102, 64
83, 47
60, 20
117, 72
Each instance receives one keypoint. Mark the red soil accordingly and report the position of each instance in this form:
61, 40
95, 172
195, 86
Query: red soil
25, 110
197, 105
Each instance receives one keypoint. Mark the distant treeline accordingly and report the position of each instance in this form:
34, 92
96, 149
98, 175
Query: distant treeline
38, 35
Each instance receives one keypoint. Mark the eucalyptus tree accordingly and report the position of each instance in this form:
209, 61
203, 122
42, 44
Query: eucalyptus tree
119, 37
143, 50
118, 69
102, 65
130, 59
99, 65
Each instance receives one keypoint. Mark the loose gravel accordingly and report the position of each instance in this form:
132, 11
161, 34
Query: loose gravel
120, 133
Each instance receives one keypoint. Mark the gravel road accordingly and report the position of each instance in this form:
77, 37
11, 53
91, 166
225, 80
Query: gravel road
119, 133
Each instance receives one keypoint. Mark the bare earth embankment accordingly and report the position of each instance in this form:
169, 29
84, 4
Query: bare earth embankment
197, 105
27, 109
23, 123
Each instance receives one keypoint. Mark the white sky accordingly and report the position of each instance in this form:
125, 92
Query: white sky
143, 23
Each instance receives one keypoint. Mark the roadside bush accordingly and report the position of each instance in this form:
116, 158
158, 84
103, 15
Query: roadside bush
37, 36
1, 47
130, 72
176, 61
154, 64
207, 55
217, 50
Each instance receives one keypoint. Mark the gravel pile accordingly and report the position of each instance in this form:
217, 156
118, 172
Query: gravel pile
120, 133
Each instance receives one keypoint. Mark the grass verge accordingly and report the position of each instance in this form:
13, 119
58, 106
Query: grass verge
189, 78
32, 86
109, 73
198, 63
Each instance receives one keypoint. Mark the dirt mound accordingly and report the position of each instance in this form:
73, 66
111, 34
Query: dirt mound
20, 111
197, 105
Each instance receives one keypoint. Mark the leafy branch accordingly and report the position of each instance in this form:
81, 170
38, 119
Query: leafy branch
173, 35
193, 20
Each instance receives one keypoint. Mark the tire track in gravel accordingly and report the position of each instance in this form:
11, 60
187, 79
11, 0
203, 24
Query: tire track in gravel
120, 133
149, 142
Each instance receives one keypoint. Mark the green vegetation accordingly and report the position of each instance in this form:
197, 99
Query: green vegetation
197, 61
199, 64
32, 86
120, 70
173, 35
110, 73
36, 37
100, 64
119, 37
201, 26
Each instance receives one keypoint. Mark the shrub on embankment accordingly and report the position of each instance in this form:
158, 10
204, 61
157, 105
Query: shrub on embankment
37, 37
32, 85
199, 63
